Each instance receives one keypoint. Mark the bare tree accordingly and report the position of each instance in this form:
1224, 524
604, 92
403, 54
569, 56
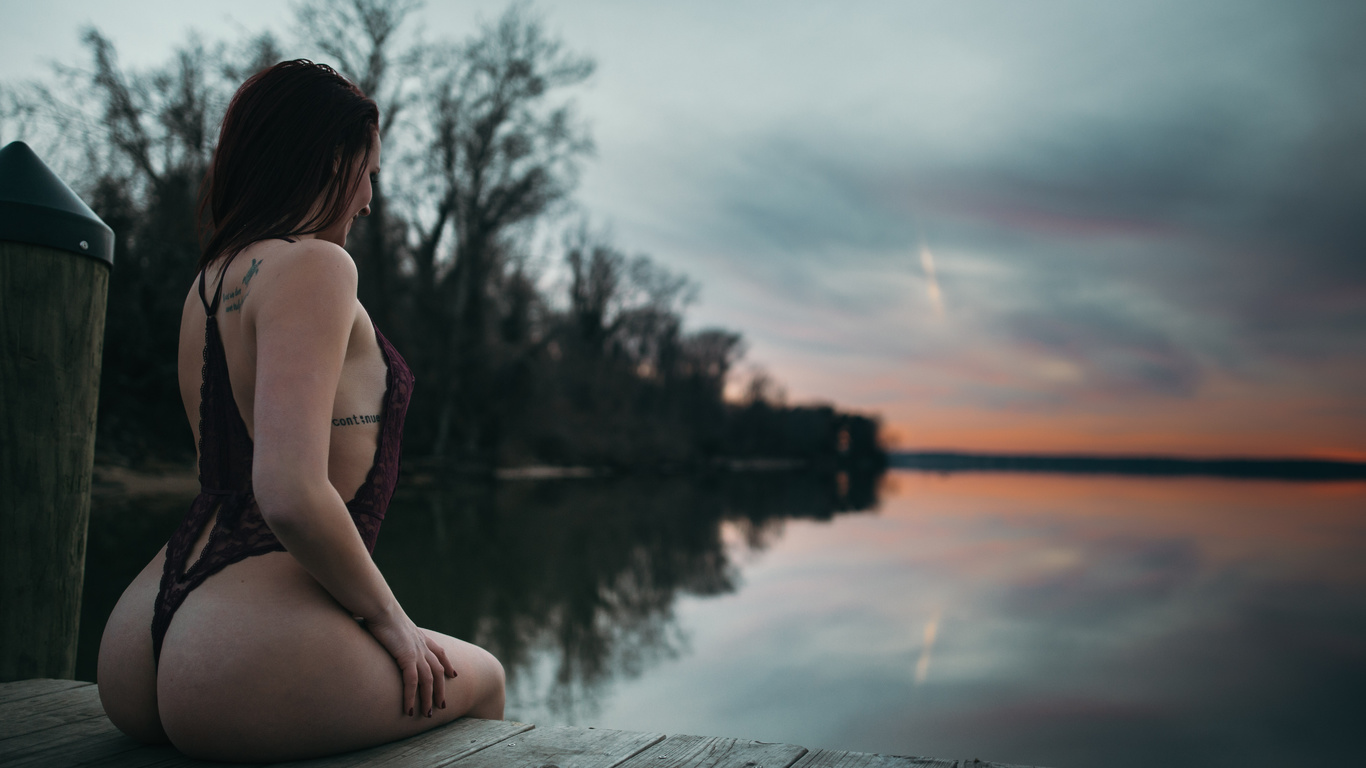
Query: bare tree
595, 270
503, 148
361, 39
628, 305
360, 36
762, 390
487, 147
709, 355
135, 145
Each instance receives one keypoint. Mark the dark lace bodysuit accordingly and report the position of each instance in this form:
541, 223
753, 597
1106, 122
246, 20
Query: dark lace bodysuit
225, 455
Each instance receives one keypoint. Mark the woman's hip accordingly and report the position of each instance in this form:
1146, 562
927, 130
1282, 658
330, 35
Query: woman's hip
261, 663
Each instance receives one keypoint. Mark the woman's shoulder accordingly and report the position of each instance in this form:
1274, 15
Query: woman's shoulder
279, 278
300, 269
309, 258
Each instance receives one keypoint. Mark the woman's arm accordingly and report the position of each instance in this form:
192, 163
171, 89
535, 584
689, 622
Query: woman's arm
305, 307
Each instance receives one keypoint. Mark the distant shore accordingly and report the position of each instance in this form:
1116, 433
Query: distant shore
174, 478
1289, 468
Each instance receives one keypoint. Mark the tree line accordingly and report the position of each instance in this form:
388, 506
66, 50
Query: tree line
483, 146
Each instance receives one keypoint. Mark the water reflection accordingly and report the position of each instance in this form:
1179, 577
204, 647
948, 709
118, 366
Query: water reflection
572, 584
584, 572
1049, 620
1076, 622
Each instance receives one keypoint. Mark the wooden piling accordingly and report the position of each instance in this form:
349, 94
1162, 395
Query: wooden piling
54, 276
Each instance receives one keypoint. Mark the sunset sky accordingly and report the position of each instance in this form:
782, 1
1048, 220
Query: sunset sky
1045, 226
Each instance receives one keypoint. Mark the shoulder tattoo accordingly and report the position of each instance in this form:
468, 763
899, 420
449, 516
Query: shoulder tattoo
238, 296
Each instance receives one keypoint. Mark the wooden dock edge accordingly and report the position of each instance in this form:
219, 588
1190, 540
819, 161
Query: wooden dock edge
61, 723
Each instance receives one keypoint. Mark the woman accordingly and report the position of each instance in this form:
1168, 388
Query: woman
263, 630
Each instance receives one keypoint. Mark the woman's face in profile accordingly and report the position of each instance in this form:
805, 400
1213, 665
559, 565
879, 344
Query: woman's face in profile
360, 204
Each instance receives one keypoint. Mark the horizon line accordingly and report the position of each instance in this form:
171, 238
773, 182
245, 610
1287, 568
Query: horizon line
1157, 465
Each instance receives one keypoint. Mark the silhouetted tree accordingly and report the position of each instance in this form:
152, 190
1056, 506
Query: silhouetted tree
504, 148
136, 146
483, 139
361, 39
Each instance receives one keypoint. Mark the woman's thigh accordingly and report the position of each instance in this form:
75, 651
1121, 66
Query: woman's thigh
260, 663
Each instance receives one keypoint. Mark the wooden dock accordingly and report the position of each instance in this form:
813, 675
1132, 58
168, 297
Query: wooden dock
61, 723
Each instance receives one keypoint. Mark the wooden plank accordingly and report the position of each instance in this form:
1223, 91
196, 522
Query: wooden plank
26, 689
69, 744
561, 747
824, 758
49, 711
438, 746
564, 748
61, 722
715, 752
162, 756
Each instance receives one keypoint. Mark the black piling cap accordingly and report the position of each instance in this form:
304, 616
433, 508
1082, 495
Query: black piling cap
37, 207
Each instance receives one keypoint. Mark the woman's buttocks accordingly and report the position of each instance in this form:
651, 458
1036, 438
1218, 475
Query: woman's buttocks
240, 612
258, 643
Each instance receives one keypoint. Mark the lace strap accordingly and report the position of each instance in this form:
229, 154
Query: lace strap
202, 300
212, 309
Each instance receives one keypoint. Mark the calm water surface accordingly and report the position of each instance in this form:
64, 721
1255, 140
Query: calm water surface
1052, 620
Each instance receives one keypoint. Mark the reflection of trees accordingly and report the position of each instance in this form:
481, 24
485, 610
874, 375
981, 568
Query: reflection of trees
572, 584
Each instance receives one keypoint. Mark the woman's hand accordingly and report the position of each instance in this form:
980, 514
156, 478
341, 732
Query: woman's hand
421, 660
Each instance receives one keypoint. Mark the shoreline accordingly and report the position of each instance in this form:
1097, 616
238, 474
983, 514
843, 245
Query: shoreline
1237, 468
165, 478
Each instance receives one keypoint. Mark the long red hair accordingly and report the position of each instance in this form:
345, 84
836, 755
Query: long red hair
294, 133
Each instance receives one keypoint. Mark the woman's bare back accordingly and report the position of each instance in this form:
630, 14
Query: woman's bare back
260, 661
360, 391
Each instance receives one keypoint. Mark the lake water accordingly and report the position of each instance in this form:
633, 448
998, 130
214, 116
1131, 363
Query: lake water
1053, 620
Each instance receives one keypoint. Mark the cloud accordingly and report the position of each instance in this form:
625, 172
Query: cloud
1108, 351
1120, 211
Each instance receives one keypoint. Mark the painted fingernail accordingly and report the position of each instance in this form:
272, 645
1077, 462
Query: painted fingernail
443, 705
429, 711
410, 711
